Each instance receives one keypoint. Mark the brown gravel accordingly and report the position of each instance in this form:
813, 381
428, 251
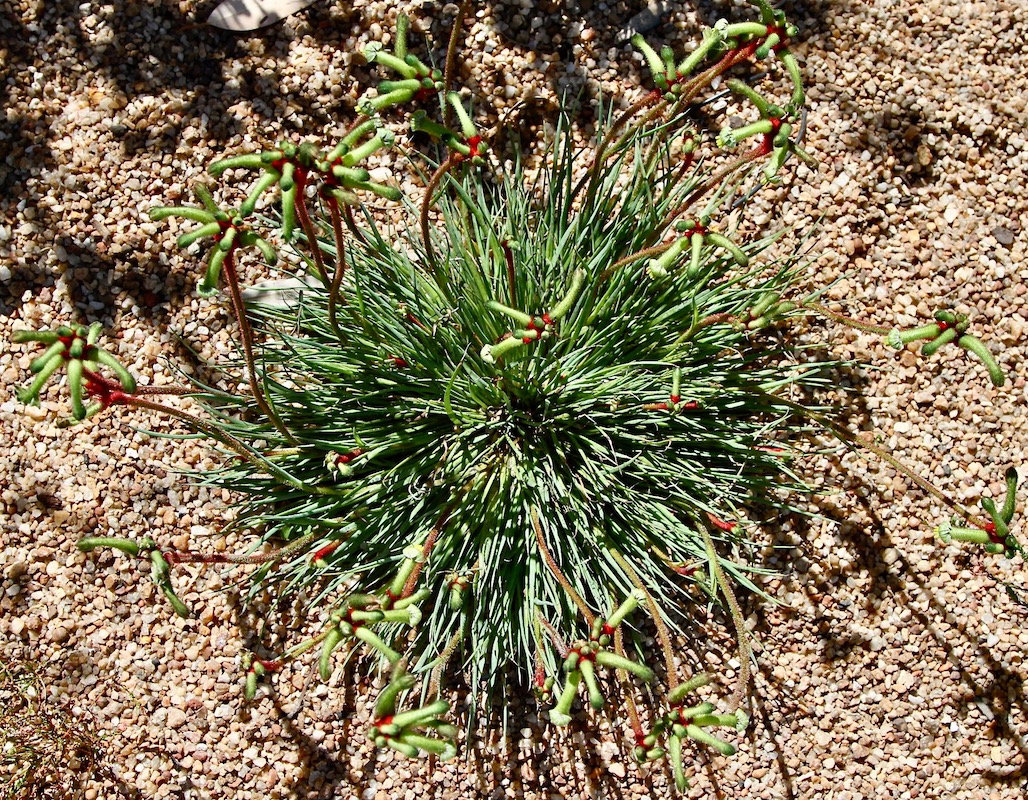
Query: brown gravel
894, 666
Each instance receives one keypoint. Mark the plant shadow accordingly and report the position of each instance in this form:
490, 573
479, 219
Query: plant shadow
894, 582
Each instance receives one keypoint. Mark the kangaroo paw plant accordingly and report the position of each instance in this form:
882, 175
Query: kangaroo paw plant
516, 398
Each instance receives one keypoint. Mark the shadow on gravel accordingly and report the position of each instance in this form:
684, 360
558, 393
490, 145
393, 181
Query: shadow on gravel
1000, 695
153, 75
495, 757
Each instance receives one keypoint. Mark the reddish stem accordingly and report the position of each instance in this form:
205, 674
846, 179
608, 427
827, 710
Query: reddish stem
307, 226
334, 292
849, 321
426, 548
590, 617
426, 203
451, 56
246, 338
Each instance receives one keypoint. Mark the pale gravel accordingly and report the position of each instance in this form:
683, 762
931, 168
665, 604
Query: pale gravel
895, 667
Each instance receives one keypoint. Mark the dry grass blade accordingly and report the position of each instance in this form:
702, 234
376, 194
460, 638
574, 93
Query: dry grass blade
48, 751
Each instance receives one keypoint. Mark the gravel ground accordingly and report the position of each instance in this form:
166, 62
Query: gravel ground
894, 667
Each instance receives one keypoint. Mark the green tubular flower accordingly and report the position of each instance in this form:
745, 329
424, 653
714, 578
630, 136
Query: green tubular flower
536, 328
250, 686
675, 757
332, 640
74, 347
669, 76
614, 661
700, 735
977, 346
593, 689
404, 731
229, 230
458, 586
467, 127
90, 543
944, 338
386, 704
445, 750
948, 328
371, 638
627, 607
996, 536
584, 655
412, 556
1010, 500
693, 723
560, 715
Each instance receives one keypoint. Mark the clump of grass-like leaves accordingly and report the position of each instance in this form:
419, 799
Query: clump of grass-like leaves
502, 406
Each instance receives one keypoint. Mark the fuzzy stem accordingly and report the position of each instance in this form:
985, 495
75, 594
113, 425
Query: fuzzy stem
176, 391
639, 255
742, 635
706, 322
508, 257
188, 557
246, 338
334, 295
436, 680
824, 311
658, 620
590, 617
856, 443
715, 180
230, 441
601, 150
451, 57
307, 226
426, 548
426, 204
689, 93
